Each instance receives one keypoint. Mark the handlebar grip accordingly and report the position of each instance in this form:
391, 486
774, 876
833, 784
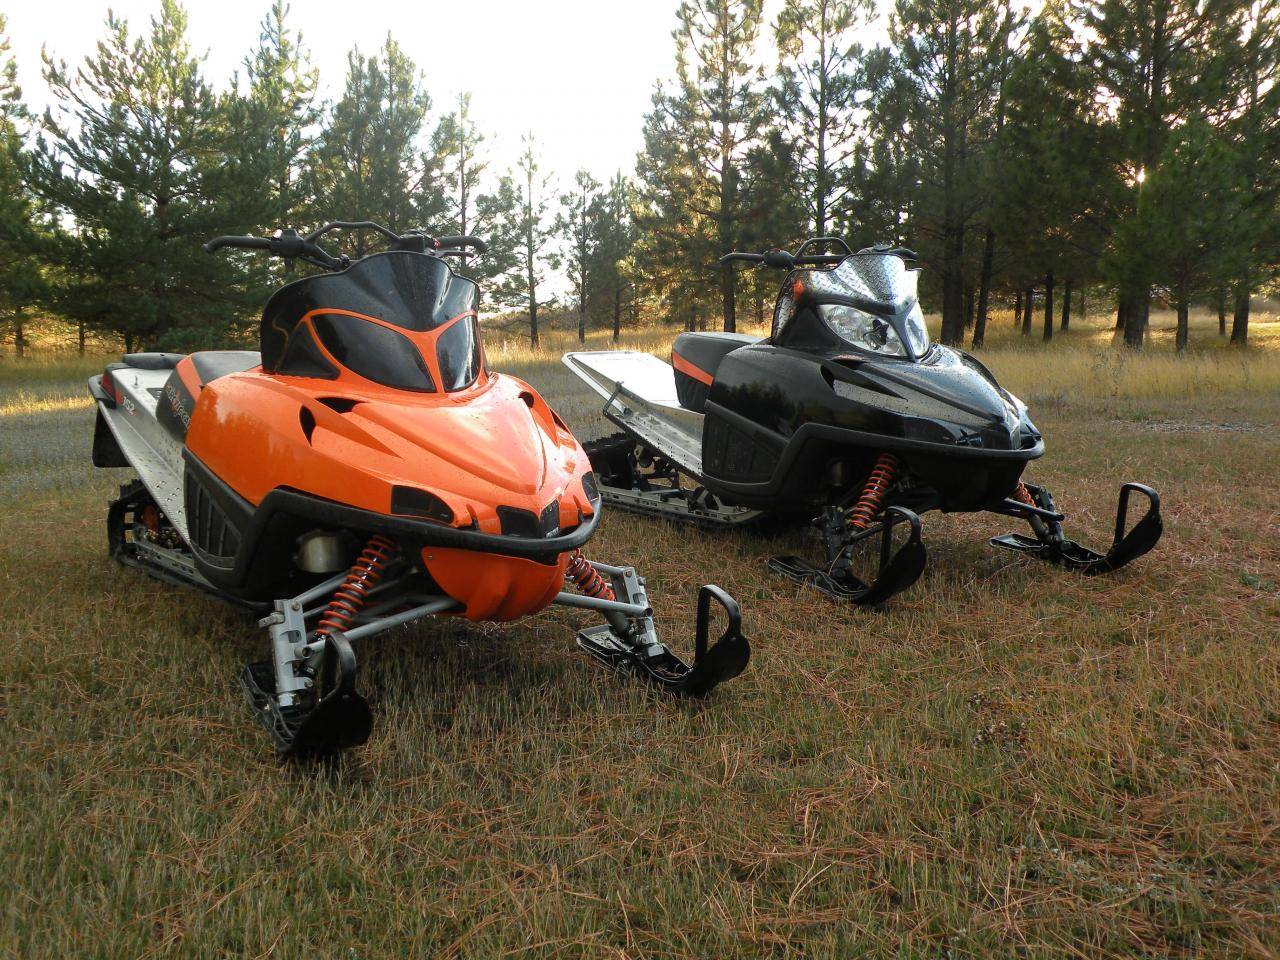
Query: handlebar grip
475, 243
743, 257
821, 259
251, 243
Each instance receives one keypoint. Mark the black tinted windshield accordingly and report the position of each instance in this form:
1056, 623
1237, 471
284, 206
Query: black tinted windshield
458, 353
414, 291
374, 352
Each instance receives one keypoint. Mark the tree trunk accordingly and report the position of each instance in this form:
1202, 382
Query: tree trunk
727, 287
1120, 312
1240, 320
1028, 301
582, 322
1066, 306
970, 304
80, 337
984, 288
1048, 306
953, 288
1184, 310
617, 312
19, 335
1135, 319
1017, 308
533, 322
1082, 303
128, 343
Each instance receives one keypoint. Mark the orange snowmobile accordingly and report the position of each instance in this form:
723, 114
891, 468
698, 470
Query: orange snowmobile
364, 470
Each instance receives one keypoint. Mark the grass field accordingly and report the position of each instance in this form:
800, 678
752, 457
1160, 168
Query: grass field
1007, 761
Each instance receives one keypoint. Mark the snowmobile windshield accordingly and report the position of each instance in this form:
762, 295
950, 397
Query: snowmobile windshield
413, 293
374, 352
870, 302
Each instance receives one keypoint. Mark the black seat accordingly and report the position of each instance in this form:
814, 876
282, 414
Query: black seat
152, 361
696, 357
191, 374
211, 364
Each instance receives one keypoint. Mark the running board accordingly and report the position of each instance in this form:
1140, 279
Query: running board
674, 505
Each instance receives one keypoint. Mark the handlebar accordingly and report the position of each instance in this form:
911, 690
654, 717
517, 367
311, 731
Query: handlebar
475, 243
251, 243
784, 260
289, 245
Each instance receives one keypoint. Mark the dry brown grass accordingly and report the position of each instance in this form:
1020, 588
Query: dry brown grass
1008, 761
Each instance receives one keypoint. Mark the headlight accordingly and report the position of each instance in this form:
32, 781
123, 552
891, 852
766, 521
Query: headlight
867, 331
863, 330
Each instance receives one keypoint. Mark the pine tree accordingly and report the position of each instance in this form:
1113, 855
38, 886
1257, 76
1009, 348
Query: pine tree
949, 62
1048, 177
578, 226
132, 154
672, 240
458, 144
817, 94
22, 243
367, 163
1190, 219
722, 109
1253, 128
617, 238
1152, 65
531, 233
886, 169
273, 121
497, 221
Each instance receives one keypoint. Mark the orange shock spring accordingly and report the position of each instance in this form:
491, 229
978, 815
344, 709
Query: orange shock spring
1024, 495
365, 574
587, 578
874, 491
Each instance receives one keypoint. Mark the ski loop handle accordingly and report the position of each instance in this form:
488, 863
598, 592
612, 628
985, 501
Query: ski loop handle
706, 594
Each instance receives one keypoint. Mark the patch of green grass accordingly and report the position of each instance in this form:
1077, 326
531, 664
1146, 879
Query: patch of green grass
1006, 761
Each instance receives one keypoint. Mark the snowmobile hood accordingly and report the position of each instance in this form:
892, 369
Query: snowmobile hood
494, 458
946, 387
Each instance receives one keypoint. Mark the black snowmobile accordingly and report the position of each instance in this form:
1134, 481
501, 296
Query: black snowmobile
846, 411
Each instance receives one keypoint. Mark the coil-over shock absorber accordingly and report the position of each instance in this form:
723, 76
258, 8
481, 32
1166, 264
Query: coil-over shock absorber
587, 578
365, 574
874, 492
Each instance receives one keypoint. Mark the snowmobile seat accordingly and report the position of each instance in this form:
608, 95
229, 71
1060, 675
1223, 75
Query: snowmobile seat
152, 361
191, 374
696, 357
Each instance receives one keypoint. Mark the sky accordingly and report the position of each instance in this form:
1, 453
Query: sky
580, 73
